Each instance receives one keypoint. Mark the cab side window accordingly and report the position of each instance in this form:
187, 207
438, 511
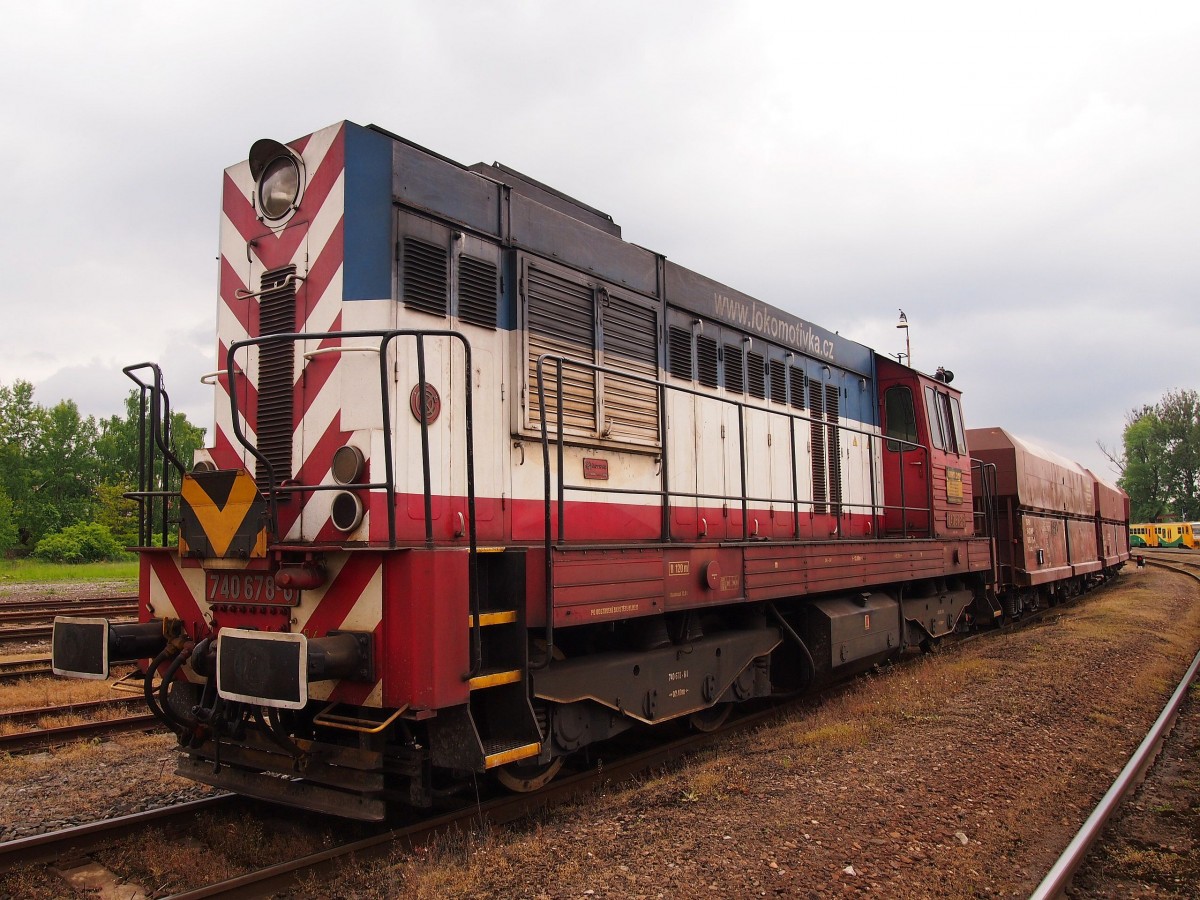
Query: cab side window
945, 421
937, 420
899, 416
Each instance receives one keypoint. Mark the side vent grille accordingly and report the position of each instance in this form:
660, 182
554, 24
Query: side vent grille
756, 374
561, 321
816, 410
735, 381
477, 291
426, 276
630, 345
778, 381
679, 350
796, 383
834, 446
276, 315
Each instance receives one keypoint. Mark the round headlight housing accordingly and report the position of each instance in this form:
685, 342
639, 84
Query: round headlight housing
278, 187
346, 511
348, 464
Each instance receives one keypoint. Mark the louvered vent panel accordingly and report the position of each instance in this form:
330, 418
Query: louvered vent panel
706, 360
816, 409
276, 315
426, 276
560, 320
796, 380
478, 288
679, 349
735, 381
756, 374
631, 345
834, 445
778, 374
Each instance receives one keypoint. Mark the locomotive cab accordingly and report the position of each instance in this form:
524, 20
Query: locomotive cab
926, 465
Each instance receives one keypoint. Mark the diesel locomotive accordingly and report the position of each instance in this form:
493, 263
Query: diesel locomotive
490, 484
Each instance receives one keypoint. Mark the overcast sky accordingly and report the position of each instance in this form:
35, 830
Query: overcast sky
1022, 181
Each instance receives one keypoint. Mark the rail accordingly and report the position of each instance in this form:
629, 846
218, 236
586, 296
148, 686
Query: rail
1061, 873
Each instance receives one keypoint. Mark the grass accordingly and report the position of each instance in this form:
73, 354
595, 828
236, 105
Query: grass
39, 571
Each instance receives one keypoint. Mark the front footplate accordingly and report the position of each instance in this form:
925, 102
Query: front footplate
325, 778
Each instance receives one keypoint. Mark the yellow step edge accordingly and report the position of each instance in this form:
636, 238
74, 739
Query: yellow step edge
507, 756
490, 549
494, 679
504, 617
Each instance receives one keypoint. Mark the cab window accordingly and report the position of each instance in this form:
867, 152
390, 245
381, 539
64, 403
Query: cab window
937, 420
956, 416
899, 416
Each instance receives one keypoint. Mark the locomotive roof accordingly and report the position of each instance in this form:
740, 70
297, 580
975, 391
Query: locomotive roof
547, 221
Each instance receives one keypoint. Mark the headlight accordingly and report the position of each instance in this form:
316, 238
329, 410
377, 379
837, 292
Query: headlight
346, 511
278, 178
278, 187
348, 464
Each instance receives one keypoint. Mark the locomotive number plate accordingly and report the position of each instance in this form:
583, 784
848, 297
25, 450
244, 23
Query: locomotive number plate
247, 587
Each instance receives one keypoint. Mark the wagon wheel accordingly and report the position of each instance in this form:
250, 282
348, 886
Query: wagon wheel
525, 779
712, 718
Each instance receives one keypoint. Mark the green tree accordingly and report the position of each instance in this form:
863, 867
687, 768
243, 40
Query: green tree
117, 443
1160, 465
116, 513
8, 525
63, 465
21, 422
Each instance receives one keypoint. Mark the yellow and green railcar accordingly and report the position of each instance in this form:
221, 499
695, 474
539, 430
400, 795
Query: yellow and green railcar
1142, 535
1175, 534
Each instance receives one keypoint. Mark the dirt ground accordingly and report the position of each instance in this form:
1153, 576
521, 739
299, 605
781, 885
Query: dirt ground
963, 774
960, 774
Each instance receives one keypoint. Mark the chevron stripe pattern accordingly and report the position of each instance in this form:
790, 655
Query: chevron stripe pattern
311, 239
222, 515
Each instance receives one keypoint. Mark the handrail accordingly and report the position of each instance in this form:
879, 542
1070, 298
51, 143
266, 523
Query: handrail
742, 497
151, 486
385, 338
554, 490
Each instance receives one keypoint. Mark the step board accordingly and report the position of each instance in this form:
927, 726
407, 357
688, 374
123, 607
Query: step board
494, 679
501, 617
499, 753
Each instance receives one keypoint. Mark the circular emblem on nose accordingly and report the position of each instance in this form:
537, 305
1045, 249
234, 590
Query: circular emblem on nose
430, 408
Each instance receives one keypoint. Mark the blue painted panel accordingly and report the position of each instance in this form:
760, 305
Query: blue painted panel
367, 228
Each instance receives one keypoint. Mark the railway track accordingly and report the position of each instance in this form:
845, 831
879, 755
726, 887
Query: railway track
24, 620
46, 738
285, 875
12, 669
27, 614
1058, 879
54, 845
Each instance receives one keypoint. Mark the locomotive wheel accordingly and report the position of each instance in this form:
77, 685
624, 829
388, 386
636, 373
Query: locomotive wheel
712, 718
525, 779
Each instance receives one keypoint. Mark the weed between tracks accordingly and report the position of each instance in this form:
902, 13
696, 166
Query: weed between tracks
46, 690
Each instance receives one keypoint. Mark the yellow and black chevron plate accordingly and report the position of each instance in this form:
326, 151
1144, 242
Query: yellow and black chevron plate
223, 515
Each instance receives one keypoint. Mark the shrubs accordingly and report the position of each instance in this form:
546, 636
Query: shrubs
79, 543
